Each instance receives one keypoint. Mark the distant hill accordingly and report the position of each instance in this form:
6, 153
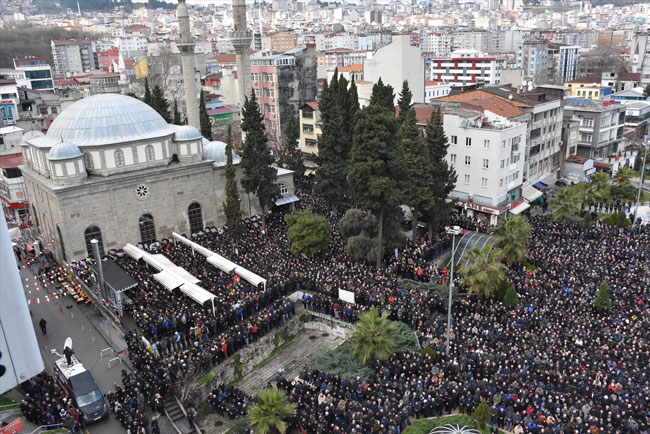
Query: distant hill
617, 3
46, 6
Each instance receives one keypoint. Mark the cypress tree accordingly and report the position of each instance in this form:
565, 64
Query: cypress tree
177, 114
231, 207
603, 302
206, 128
404, 101
377, 167
259, 176
159, 103
444, 176
290, 155
383, 96
147, 93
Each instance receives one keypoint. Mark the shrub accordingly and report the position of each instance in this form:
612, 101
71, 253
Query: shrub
603, 302
510, 298
482, 414
429, 352
422, 426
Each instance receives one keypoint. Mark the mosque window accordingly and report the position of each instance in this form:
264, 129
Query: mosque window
93, 233
119, 158
149, 154
141, 192
284, 190
196, 218
147, 229
88, 159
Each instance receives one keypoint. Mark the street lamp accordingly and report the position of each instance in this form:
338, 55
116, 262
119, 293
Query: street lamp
638, 195
453, 231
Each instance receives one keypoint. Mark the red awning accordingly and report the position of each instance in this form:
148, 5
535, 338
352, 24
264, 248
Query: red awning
11, 161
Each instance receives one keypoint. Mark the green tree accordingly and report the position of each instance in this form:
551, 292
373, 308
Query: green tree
231, 207
646, 91
290, 154
378, 167
623, 221
204, 119
564, 204
444, 176
510, 298
269, 413
584, 193
482, 414
176, 114
333, 151
159, 103
383, 96
355, 222
600, 180
623, 177
373, 337
259, 176
404, 101
484, 271
308, 233
603, 302
513, 235
417, 192
147, 93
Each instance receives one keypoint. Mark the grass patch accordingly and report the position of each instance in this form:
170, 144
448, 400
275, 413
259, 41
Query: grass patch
239, 368
7, 403
424, 426
205, 378
58, 431
279, 348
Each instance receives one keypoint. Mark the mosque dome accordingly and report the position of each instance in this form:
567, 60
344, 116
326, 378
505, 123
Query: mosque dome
216, 151
186, 132
105, 119
64, 151
33, 134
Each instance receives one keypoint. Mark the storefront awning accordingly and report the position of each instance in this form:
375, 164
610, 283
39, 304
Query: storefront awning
520, 208
540, 185
531, 194
289, 198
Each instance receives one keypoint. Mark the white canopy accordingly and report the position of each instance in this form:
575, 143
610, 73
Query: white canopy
133, 251
251, 277
520, 208
531, 193
222, 263
168, 280
196, 293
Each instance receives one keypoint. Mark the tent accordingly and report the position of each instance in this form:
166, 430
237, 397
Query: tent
251, 277
134, 251
198, 294
222, 263
168, 280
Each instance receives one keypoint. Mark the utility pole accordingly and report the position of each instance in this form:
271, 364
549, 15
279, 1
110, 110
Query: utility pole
453, 231
638, 195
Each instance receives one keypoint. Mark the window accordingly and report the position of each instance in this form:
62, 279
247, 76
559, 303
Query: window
310, 143
501, 182
484, 182
119, 158
468, 160
486, 163
452, 157
88, 159
284, 190
147, 229
195, 217
503, 144
503, 163
486, 144
466, 179
93, 233
454, 140
307, 114
148, 153
468, 141
308, 128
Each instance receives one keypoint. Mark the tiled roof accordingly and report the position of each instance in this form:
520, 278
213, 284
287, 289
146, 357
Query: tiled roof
586, 80
225, 58
356, 67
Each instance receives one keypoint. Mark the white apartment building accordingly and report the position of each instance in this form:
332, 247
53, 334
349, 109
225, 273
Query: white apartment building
640, 56
487, 152
435, 89
325, 42
132, 47
466, 68
436, 44
72, 57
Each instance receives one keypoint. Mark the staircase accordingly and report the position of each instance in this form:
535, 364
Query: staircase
176, 416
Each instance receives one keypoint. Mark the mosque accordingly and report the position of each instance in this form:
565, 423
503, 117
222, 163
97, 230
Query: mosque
111, 168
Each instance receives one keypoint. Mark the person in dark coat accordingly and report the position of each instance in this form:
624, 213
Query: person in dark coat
43, 325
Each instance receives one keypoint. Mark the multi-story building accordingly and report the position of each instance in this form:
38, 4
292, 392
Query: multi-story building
486, 149
282, 84
640, 56
104, 59
466, 68
435, 89
282, 41
620, 81
310, 130
72, 57
477, 40
13, 194
601, 126
38, 73
437, 44
330, 41
532, 58
587, 87
563, 63
106, 82
9, 101
132, 47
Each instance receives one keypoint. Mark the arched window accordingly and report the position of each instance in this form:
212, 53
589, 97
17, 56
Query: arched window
35, 213
147, 229
195, 217
119, 158
149, 154
284, 190
88, 159
93, 233
58, 231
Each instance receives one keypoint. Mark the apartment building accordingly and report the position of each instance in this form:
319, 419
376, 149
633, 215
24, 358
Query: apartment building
466, 68
532, 58
437, 44
640, 56
38, 73
72, 57
310, 130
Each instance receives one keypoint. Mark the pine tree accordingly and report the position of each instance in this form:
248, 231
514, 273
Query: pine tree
177, 114
259, 176
417, 193
603, 302
383, 96
482, 414
159, 103
378, 166
290, 155
206, 128
332, 159
231, 207
444, 176
147, 93
404, 101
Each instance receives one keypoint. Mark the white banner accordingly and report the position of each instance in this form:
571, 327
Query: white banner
346, 296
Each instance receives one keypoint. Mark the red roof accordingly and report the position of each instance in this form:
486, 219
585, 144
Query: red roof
3, 81
586, 80
11, 161
219, 111
355, 67
630, 76
225, 58
433, 83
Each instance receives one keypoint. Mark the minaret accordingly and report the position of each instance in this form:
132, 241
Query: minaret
186, 47
241, 39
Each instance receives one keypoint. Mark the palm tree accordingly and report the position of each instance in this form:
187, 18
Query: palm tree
600, 180
565, 204
512, 238
268, 414
484, 270
585, 193
623, 177
373, 337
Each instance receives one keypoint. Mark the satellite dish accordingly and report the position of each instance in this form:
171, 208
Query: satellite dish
68, 343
